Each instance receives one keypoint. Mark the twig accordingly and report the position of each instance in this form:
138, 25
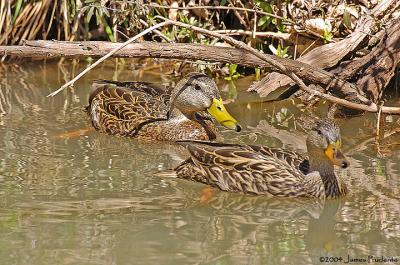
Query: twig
107, 56
254, 26
295, 46
144, 23
308, 47
379, 125
238, 44
278, 35
123, 34
241, 20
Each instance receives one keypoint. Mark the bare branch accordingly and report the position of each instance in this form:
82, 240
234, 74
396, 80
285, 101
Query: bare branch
277, 35
107, 56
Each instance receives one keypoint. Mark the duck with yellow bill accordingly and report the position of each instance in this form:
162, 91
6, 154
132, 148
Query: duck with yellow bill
150, 112
260, 170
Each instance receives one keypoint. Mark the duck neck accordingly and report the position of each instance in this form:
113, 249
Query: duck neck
174, 98
332, 185
201, 120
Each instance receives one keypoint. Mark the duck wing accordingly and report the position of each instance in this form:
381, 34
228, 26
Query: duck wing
239, 168
124, 107
294, 159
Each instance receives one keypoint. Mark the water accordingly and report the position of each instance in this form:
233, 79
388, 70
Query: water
69, 195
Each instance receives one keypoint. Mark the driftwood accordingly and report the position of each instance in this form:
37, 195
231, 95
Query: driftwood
182, 51
329, 55
378, 67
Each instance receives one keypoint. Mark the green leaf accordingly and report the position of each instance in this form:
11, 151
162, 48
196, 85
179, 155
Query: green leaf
17, 9
223, 2
89, 14
258, 73
108, 29
232, 68
98, 17
262, 20
347, 19
105, 11
327, 35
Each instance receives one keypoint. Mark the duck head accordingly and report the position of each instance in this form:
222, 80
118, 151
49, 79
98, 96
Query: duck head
324, 144
198, 92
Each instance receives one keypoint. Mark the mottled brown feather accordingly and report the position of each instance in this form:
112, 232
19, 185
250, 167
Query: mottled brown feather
256, 170
140, 109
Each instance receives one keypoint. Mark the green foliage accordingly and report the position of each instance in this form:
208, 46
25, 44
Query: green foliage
265, 21
327, 36
17, 10
346, 19
279, 51
269, 22
258, 73
233, 75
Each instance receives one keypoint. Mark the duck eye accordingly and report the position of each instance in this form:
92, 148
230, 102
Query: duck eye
197, 87
219, 108
319, 132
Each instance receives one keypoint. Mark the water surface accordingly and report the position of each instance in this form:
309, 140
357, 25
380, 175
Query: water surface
70, 195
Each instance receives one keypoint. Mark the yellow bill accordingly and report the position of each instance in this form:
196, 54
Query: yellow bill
334, 153
219, 112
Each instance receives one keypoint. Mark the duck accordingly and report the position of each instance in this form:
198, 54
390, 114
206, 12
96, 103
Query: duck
150, 112
274, 172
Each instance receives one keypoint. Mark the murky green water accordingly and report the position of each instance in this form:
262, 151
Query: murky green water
67, 198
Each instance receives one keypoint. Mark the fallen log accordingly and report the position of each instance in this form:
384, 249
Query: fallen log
182, 51
51, 49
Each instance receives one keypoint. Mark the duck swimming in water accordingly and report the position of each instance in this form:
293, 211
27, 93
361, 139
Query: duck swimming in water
149, 112
260, 170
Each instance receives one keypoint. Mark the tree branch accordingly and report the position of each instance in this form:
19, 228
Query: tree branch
107, 56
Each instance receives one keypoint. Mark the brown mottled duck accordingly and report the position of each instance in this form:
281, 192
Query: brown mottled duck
146, 111
260, 170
